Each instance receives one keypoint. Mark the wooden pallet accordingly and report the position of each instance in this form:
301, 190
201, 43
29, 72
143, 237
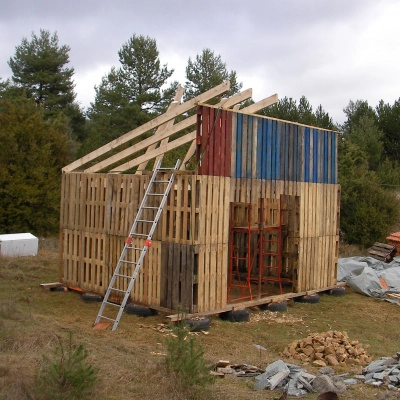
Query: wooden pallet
382, 252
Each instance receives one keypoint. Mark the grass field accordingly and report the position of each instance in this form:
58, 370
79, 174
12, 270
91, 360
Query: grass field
128, 360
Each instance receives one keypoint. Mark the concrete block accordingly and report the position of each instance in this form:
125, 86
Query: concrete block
18, 245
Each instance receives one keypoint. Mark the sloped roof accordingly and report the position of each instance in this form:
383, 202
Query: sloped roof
161, 128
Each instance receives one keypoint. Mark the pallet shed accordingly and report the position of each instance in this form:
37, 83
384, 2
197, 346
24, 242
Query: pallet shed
255, 221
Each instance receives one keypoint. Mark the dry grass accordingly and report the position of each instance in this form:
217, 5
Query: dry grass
127, 359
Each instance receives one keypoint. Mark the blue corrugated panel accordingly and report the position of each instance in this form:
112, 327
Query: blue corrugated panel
333, 158
296, 148
260, 150
306, 154
286, 151
315, 157
249, 146
276, 172
325, 157
268, 152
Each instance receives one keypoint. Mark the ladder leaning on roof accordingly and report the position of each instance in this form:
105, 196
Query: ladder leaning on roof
131, 256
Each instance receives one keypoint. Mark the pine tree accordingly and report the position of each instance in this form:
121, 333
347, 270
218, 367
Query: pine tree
40, 72
39, 67
130, 95
207, 71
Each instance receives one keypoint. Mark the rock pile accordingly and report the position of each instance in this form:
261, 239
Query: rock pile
295, 381
328, 348
383, 372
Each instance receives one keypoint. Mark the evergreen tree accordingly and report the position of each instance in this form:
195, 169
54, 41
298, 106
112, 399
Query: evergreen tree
207, 71
366, 135
389, 123
369, 206
288, 110
354, 111
40, 72
368, 210
131, 95
32, 153
39, 66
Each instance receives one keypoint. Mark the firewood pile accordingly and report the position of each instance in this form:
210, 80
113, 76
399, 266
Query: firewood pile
328, 348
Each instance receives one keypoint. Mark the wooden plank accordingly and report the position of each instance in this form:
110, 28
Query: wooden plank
154, 123
162, 128
261, 104
190, 153
254, 148
238, 98
156, 152
233, 145
213, 266
243, 146
201, 297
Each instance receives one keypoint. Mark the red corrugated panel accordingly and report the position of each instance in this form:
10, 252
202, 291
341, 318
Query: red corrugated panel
214, 140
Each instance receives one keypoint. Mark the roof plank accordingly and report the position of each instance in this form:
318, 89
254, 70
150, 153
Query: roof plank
152, 124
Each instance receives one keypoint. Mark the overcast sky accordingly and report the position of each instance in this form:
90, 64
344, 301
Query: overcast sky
329, 51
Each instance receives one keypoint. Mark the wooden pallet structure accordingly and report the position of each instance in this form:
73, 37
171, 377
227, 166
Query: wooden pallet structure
284, 174
382, 252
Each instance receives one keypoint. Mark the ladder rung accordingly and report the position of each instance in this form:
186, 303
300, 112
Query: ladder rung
155, 194
139, 234
110, 319
129, 262
134, 248
150, 208
160, 181
118, 290
165, 169
144, 220
124, 276
112, 304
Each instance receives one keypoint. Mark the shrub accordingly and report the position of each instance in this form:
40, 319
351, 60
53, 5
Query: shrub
66, 375
185, 359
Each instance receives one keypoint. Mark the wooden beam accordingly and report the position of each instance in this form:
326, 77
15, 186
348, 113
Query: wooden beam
162, 128
237, 98
253, 303
189, 154
186, 123
154, 123
261, 104
156, 152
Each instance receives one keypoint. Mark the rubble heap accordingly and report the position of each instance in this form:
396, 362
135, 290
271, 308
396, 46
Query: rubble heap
328, 348
295, 381
384, 371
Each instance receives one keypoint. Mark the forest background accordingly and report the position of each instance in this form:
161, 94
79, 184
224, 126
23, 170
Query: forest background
43, 128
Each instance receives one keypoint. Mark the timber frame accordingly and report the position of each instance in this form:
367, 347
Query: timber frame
243, 160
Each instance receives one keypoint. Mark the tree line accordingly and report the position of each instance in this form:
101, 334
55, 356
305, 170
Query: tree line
43, 128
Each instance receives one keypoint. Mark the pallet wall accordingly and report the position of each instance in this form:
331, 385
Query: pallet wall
188, 262
255, 147
242, 159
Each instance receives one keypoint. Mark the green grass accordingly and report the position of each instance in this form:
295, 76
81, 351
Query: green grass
129, 368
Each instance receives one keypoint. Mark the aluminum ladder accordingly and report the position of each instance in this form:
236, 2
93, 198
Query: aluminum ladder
132, 256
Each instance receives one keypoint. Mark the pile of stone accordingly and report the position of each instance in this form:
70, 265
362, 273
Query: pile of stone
295, 381
328, 348
383, 372
223, 368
